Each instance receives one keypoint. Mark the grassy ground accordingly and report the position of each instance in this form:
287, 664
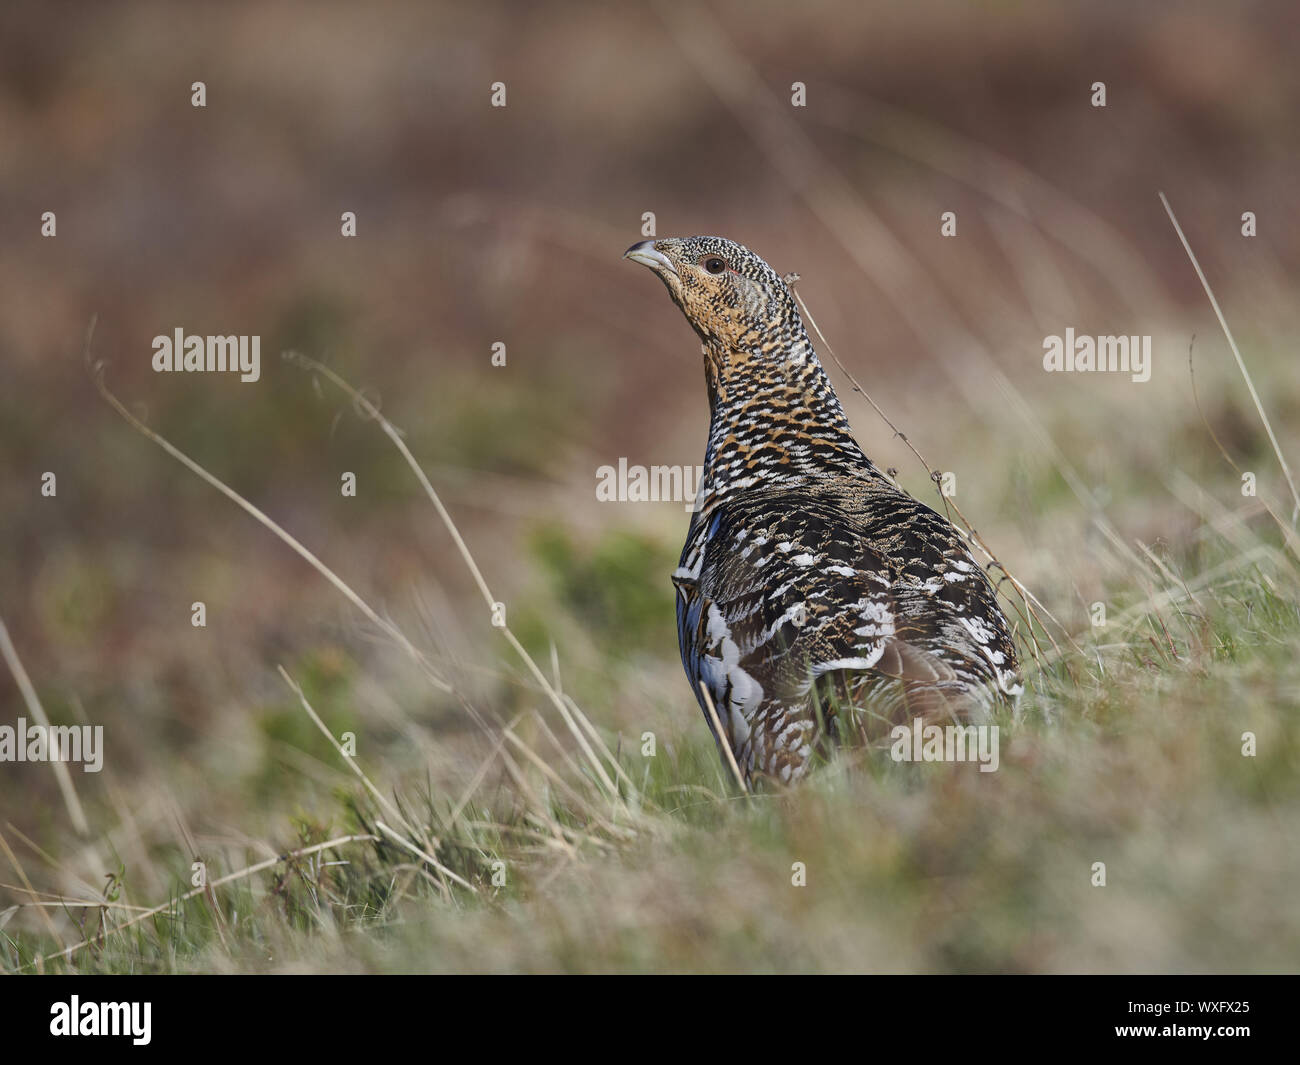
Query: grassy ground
551, 841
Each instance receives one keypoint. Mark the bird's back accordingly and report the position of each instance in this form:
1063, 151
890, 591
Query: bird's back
817, 613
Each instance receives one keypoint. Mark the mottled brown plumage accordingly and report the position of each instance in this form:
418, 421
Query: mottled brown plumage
814, 596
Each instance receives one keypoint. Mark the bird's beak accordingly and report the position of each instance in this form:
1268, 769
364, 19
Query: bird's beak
647, 254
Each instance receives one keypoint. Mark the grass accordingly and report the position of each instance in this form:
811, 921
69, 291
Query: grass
568, 846
1136, 763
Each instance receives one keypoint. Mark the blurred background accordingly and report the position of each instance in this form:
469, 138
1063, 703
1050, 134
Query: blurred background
478, 225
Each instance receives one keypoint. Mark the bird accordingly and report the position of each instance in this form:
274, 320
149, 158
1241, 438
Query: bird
817, 602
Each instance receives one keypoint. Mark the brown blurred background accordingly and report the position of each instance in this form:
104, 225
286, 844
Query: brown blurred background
478, 225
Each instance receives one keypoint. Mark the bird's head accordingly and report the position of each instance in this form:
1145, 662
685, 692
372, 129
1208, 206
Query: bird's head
732, 298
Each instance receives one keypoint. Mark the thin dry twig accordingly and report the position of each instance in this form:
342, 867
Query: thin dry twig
1236, 354
723, 739
27, 885
399, 637
34, 707
1031, 602
370, 410
351, 763
425, 856
1288, 533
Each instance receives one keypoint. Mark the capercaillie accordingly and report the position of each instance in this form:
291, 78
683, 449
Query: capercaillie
815, 599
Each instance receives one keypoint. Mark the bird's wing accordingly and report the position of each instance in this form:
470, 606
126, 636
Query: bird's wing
788, 590
944, 601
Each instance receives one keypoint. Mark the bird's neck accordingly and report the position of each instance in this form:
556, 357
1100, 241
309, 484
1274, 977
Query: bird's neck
774, 419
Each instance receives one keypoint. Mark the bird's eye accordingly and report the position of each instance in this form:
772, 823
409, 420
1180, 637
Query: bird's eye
714, 265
